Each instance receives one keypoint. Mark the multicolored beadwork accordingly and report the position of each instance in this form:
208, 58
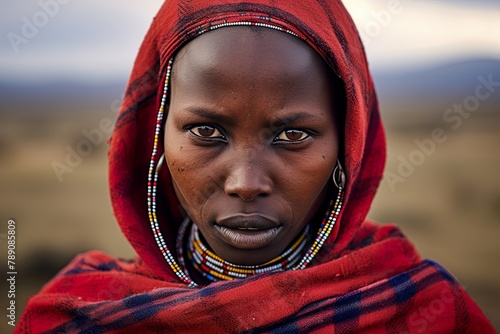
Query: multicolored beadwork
152, 183
209, 264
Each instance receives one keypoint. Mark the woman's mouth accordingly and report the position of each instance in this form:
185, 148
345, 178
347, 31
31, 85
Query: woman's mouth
248, 231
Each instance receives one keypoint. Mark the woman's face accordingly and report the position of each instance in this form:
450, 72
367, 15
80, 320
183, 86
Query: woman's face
250, 139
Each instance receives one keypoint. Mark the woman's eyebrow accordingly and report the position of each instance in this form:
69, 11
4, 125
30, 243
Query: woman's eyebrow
210, 114
291, 118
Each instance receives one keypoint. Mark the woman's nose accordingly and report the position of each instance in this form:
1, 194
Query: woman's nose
248, 181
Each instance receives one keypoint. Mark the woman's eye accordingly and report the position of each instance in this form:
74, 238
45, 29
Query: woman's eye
206, 131
292, 136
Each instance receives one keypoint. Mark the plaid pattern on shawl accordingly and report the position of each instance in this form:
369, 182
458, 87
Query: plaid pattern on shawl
98, 294
366, 278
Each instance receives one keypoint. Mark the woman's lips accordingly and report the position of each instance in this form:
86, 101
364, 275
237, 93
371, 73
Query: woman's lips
248, 231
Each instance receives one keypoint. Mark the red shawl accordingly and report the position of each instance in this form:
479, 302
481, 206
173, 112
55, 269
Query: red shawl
365, 278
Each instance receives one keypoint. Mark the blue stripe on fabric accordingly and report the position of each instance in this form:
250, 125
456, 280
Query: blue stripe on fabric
288, 328
144, 313
93, 330
77, 271
129, 319
209, 291
347, 307
446, 274
138, 300
366, 242
108, 266
215, 288
404, 287
82, 322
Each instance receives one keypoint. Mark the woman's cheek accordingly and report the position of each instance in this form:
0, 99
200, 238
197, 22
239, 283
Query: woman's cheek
194, 183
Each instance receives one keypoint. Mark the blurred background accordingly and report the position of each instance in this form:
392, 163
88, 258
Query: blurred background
64, 67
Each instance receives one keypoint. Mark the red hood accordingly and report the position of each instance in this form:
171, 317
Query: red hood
327, 27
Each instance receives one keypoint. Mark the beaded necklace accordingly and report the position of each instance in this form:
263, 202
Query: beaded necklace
181, 270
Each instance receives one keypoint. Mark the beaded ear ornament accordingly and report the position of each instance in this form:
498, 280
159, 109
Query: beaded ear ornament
212, 267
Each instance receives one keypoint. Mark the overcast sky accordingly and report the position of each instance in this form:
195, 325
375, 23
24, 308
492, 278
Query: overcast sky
98, 40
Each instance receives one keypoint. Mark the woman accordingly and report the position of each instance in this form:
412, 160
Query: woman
243, 163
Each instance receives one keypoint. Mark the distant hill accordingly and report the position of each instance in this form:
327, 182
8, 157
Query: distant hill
450, 82
60, 92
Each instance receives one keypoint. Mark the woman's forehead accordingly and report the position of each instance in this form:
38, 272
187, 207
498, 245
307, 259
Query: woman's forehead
243, 50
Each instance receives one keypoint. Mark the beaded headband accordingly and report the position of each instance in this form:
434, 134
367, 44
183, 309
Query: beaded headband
182, 273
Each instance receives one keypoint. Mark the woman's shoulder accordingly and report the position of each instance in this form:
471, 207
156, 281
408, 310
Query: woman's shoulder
97, 261
93, 268
434, 301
